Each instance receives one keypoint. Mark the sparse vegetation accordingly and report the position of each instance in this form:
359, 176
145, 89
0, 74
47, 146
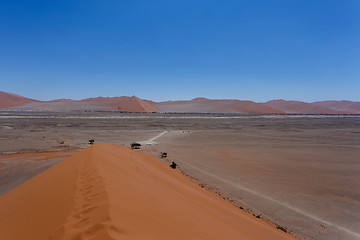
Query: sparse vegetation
284, 229
173, 165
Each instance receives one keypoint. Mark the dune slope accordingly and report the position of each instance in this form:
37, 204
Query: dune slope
110, 192
13, 100
300, 107
344, 106
204, 105
127, 104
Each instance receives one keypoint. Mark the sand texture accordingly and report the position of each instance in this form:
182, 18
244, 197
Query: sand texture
111, 192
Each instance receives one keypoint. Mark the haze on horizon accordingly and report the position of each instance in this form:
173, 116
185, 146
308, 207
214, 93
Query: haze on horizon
171, 50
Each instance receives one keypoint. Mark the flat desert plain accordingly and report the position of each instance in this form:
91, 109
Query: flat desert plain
301, 172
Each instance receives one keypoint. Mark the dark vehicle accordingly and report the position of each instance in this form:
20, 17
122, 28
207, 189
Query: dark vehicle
91, 141
135, 145
163, 155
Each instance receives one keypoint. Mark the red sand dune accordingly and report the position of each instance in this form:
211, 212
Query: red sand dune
108, 192
13, 100
343, 106
128, 104
217, 106
300, 107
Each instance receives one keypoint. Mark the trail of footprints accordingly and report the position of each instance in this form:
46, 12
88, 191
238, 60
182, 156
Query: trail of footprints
90, 218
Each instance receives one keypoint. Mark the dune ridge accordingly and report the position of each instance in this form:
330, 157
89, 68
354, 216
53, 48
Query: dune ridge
90, 215
111, 192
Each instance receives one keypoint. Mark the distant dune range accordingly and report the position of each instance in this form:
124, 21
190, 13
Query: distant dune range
108, 192
9, 101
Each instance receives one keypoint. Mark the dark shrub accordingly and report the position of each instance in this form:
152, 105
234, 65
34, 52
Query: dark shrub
173, 165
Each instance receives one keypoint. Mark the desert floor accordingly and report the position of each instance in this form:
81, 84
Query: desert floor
302, 172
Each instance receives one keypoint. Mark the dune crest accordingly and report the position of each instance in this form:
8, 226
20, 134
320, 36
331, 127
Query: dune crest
110, 192
90, 215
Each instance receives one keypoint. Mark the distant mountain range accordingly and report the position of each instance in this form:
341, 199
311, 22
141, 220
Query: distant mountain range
14, 102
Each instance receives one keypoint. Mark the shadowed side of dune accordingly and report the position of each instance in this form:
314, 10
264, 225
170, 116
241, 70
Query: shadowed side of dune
110, 192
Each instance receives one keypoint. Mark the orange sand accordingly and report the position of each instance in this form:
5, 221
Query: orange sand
110, 192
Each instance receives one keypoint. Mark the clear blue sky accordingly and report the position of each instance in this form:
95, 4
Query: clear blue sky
178, 49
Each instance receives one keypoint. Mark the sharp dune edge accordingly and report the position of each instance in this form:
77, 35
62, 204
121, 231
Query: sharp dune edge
111, 192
